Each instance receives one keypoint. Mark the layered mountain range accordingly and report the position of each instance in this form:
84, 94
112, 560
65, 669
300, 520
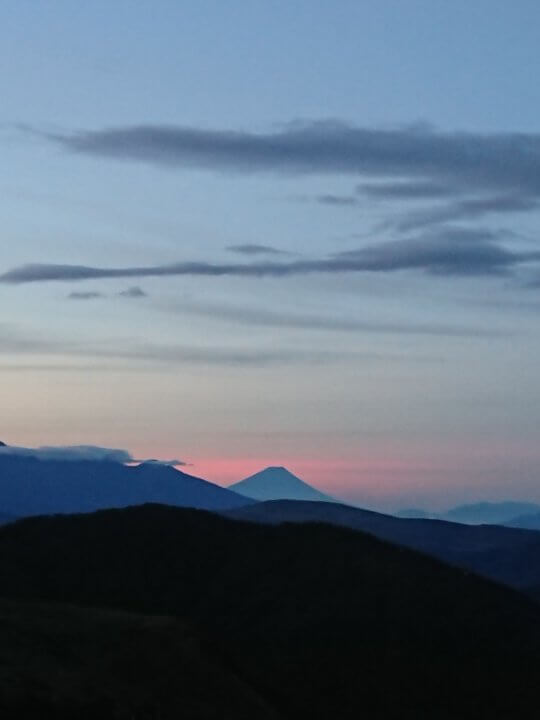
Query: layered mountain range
279, 608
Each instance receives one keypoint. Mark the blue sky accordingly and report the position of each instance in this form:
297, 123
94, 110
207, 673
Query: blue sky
356, 184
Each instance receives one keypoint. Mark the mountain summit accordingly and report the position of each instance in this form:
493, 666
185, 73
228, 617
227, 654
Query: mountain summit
277, 483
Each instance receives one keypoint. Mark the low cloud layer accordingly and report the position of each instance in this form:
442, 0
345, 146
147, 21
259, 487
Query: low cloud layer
70, 453
78, 453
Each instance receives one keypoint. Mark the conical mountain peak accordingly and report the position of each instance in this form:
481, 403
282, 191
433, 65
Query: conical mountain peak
277, 483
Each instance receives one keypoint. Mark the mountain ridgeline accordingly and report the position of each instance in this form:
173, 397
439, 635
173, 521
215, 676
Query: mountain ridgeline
526, 522
29, 486
507, 555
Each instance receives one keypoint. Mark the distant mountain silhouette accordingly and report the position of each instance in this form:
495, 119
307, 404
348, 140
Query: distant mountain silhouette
2, 444
527, 522
29, 486
491, 513
6, 518
413, 513
508, 555
311, 620
482, 513
277, 483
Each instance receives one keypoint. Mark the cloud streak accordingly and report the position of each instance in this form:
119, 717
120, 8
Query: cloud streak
496, 162
78, 453
261, 317
70, 453
133, 293
84, 295
468, 209
141, 354
446, 251
254, 249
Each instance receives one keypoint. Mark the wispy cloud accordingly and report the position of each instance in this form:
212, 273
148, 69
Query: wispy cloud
134, 293
271, 318
70, 453
15, 343
338, 200
444, 251
406, 190
496, 162
254, 249
78, 453
85, 295
469, 209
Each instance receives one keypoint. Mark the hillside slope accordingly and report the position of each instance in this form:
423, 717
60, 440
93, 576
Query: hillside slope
507, 555
319, 621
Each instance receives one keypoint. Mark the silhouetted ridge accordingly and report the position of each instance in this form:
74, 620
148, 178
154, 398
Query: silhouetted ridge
508, 555
29, 486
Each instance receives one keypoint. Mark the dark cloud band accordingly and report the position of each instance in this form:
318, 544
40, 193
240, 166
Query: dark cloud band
447, 251
500, 162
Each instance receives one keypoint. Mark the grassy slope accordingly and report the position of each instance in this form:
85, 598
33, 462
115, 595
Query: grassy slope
59, 661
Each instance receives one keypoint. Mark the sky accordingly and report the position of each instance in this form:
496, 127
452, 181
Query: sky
277, 233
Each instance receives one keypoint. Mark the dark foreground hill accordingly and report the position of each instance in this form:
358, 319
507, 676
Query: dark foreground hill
68, 663
507, 555
318, 621
29, 486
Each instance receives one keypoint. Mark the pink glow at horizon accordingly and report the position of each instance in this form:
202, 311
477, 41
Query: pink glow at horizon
346, 478
432, 479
